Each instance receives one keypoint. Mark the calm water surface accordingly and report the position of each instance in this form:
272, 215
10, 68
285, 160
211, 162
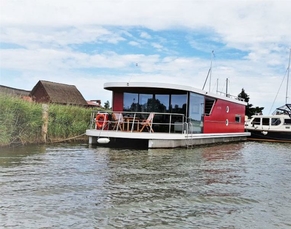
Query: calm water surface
242, 185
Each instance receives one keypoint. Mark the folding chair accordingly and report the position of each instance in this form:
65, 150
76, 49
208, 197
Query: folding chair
117, 121
148, 123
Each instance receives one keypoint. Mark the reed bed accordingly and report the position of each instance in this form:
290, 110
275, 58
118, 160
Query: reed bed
21, 122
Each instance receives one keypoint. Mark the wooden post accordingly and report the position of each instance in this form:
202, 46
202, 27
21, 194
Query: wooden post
45, 108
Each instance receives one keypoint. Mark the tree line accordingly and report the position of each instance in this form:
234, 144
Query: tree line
250, 109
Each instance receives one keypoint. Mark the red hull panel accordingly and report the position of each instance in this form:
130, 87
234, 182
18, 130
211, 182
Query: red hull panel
117, 103
223, 118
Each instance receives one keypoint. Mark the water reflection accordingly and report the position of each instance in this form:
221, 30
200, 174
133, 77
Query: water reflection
242, 185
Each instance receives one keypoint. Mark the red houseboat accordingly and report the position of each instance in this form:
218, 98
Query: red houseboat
160, 115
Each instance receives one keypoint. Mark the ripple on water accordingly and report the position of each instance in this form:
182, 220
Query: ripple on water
242, 185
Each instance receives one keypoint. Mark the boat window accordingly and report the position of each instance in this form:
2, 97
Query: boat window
162, 103
256, 121
196, 109
178, 103
275, 121
136, 102
287, 122
266, 121
146, 102
130, 102
209, 103
237, 118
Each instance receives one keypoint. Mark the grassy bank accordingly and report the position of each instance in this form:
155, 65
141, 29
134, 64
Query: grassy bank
21, 122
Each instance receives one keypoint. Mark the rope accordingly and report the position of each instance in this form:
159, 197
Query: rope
67, 139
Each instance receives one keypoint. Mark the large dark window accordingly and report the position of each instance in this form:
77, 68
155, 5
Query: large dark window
196, 108
145, 102
155, 102
130, 102
256, 121
178, 103
266, 121
162, 103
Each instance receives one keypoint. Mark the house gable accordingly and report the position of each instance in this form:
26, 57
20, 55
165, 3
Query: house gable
51, 92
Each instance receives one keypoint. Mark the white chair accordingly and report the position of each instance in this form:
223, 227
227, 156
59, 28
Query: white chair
148, 123
117, 121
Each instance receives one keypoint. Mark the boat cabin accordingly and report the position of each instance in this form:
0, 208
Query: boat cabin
178, 108
270, 122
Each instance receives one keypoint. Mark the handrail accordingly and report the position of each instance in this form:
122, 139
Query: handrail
177, 117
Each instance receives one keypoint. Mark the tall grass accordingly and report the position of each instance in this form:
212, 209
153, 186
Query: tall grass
21, 121
67, 121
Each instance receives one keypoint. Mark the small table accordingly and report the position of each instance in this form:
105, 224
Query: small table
133, 120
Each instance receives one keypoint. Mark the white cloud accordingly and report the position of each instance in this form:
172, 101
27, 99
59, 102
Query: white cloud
52, 40
145, 35
134, 43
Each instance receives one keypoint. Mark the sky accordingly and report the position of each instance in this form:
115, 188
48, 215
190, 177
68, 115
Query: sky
87, 43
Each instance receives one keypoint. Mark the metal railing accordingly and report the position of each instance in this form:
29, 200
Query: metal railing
134, 122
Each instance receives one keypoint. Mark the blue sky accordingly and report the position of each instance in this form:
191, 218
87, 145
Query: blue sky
88, 43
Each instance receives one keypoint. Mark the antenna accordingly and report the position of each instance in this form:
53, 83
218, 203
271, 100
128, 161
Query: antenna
226, 90
136, 65
288, 78
209, 72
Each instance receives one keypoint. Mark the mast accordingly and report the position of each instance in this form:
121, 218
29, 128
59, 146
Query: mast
209, 73
288, 78
226, 90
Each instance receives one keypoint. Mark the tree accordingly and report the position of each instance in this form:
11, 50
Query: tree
107, 105
244, 96
250, 110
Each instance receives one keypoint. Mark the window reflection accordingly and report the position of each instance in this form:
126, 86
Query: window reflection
196, 108
130, 102
178, 103
166, 103
145, 102
162, 103
155, 102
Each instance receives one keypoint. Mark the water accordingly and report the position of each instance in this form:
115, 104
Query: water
242, 185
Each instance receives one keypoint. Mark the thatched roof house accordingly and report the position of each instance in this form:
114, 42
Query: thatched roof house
13, 91
50, 92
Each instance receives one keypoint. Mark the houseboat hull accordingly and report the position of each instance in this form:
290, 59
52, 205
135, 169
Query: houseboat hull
137, 140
